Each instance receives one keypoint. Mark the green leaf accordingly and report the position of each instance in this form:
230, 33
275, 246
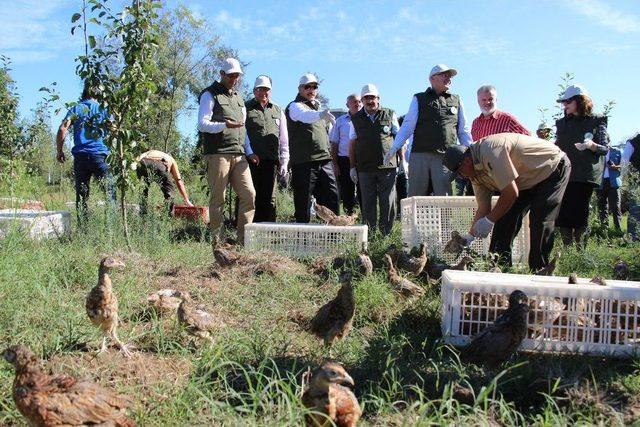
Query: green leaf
92, 42
75, 17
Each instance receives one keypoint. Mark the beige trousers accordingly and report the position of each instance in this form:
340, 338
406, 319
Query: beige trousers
221, 170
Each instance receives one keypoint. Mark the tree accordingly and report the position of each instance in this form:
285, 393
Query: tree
10, 132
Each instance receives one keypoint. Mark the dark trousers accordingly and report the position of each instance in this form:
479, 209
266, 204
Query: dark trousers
86, 166
151, 171
543, 204
264, 182
609, 200
313, 178
347, 187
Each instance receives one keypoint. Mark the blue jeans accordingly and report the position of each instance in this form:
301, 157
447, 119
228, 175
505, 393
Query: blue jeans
84, 167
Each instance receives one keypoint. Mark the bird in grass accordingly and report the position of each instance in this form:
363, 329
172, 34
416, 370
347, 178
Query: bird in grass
334, 320
435, 269
224, 254
403, 286
102, 305
494, 266
413, 265
621, 270
549, 268
195, 319
324, 213
61, 400
330, 398
165, 302
363, 263
497, 342
456, 244
343, 220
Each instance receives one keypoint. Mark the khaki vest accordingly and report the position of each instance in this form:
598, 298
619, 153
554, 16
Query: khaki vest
374, 139
586, 166
263, 129
307, 142
437, 125
227, 106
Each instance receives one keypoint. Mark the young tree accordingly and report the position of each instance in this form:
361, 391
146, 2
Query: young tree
10, 132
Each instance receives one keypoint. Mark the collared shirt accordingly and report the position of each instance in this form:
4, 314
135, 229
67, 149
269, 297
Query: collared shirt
394, 124
627, 152
301, 112
283, 148
505, 157
411, 118
207, 102
497, 122
339, 134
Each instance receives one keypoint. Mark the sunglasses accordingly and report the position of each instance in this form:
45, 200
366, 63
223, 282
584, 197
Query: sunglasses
312, 87
567, 101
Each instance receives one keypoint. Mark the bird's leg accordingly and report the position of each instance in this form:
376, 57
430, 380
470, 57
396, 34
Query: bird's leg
123, 347
103, 348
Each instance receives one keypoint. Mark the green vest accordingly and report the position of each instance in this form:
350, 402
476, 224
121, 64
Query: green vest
227, 106
635, 156
307, 142
437, 125
586, 166
373, 140
263, 129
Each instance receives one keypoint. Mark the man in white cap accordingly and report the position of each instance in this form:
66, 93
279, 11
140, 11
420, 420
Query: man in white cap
371, 137
436, 120
221, 119
266, 146
311, 166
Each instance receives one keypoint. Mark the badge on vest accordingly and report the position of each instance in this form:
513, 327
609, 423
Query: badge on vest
277, 122
386, 129
453, 110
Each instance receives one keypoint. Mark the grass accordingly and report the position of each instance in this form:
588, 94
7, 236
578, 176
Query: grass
251, 373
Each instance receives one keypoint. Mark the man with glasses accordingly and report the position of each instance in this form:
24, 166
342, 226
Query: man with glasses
531, 176
436, 120
371, 137
221, 119
266, 146
311, 166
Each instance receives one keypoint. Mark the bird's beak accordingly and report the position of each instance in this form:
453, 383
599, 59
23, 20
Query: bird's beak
347, 381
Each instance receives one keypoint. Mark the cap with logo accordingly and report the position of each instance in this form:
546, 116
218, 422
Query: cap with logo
369, 89
308, 78
571, 91
262, 81
231, 65
441, 68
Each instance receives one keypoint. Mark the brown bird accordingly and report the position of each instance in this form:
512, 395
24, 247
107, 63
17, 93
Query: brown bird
404, 286
497, 342
195, 319
331, 398
343, 220
573, 279
434, 270
621, 270
324, 213
225, 255
61, 400
494, 267
334, 320
456, 244
363, 263
165, 302
413, 265
549, 268
598, 280
102, 305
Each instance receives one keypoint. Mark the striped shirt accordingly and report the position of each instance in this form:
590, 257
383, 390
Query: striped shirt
498, 122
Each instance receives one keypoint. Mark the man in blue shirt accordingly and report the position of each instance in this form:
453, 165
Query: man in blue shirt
89, 151
609, 191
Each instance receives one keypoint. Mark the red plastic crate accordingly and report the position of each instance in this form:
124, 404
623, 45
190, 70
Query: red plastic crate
192, 213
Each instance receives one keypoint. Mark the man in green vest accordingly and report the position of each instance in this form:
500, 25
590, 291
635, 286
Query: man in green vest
436, 120
221, 119
311, 166
372, 132
267, 147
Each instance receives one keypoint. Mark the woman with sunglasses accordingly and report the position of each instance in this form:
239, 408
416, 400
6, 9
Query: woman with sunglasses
582, 135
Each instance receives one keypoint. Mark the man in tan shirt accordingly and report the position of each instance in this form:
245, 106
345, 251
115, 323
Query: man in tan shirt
530, 175
156, 166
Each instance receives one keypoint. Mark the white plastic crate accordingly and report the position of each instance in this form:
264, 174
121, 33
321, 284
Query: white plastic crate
302, 240
566, 318
35, 224
431, 220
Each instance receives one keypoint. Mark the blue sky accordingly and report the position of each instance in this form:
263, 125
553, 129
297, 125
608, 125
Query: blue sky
522, 47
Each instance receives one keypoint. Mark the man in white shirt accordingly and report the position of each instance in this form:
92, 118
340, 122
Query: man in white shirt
311, 166
221, 119
436, 120
339, 139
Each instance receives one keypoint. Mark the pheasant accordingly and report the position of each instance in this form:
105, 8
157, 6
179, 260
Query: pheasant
330, 397
621, 270
412, 264
165, 302
61, 400
194, 318
343, 220
549, 268
497, 342
324, 213
225, 255
334, 320
456, 244
434, 270
364, 264
102, 305
404, 286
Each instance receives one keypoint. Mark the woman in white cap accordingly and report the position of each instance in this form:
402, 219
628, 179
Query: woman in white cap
583, 136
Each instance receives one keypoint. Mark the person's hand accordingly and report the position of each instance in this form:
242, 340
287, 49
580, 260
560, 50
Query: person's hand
588, 144
253, 158
61, 157
282, 171
327, 116
482, 227
387, 158
230, 124
336, 169
353, 173
188, 203
468, 238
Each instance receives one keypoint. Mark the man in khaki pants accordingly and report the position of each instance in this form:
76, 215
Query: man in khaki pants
221, 120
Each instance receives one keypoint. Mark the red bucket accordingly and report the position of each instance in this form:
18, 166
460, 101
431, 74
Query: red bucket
192, 213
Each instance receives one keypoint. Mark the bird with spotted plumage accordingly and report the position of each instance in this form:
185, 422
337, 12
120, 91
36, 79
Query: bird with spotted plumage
402, 285
195, 319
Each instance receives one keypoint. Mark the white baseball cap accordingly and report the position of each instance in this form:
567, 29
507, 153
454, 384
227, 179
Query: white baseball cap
230, 66
369, 89
441, 68
262, 81
572, 91
545, 125
308, 78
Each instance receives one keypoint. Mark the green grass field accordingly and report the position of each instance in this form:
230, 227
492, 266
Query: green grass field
251, 373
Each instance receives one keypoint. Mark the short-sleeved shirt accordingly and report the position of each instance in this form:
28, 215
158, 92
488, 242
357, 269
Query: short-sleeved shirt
501, 158
161, 157
88, 118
